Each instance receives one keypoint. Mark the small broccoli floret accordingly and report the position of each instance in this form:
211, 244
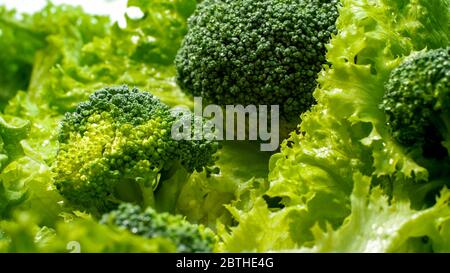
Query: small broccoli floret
117, 147
417, 102
257, 52
148, 223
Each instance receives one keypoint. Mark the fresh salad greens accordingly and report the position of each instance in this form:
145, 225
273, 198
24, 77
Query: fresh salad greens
87, 162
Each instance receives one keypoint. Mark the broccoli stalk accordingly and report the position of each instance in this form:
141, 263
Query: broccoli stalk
174, 180
117, 147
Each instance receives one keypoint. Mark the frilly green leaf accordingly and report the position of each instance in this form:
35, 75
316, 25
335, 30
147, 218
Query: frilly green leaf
379, 225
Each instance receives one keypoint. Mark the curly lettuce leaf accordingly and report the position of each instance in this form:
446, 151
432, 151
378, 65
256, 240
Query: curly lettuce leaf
159, 32
346, 132
203, 198
57, 67
25, 183
41, 141
141, 54
377, 225
64, 30
22, 234
92, 237
369, 46
11, 133
58, 30
19, 41
35, 180
263, 229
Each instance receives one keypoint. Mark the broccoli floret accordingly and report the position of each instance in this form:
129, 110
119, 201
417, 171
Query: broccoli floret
117, 147
257, 52
148, 223
417, 102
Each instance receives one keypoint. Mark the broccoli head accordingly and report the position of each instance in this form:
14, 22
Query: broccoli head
148, 223
117, 147
257, 52
417, 102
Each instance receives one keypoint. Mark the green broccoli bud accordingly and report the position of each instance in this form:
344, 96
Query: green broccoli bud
259, 52
148, 223
117, 147
417, 102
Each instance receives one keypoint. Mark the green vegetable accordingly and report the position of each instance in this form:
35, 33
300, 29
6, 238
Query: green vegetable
366, 170
24, 182
417, 102
118, 146
139, 55
379, 225
346, 134
22, 234
203, 198
62, 31
16, 56
262, 52
148, 223
11, 133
